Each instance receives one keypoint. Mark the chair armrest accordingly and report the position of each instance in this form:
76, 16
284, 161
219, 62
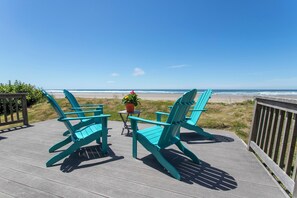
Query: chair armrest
76, 112
74, 108
159, 115
198, 110
162, 113
87, 117
91, 105
148, 121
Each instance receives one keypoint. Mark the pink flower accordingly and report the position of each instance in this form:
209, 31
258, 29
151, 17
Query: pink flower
132, 92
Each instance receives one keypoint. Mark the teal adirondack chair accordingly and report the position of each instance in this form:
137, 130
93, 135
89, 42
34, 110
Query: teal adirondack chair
79, 109
78, 137
199, 107
164, 134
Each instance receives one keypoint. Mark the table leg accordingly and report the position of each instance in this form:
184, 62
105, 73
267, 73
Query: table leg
123, 122
128, 114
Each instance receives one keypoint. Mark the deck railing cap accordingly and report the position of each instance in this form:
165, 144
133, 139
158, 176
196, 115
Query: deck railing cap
276, 99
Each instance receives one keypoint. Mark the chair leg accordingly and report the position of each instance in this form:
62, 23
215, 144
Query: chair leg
166, 165
62, 155
187, 152
66, 133
104, 141
134, 145
199, 131
98, 141
60, 144
134, 135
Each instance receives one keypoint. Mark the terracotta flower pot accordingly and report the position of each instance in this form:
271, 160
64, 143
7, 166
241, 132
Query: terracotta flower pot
130, 107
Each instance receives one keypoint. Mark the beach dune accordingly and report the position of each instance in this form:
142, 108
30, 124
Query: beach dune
225, 98
216, 98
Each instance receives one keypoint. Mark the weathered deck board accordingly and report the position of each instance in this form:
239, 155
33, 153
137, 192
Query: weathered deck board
227, 169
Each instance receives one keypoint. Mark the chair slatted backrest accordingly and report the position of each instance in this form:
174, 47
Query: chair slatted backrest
73, 102
60, 112
200, 105
176, 116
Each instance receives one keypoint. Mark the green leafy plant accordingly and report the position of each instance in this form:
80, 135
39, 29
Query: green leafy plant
34, 95
132, 97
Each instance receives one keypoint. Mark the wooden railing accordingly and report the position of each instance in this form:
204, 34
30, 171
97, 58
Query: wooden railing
10, 107
273, 138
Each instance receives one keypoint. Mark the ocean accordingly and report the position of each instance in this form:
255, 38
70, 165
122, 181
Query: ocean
242, 92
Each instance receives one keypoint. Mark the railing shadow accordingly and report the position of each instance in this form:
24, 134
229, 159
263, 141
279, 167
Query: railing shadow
202, 174
195, 138
3, 138
15, 128
86, 154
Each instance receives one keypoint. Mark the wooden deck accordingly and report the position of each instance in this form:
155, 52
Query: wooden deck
227, 169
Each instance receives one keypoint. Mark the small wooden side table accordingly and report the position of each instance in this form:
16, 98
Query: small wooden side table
125, 119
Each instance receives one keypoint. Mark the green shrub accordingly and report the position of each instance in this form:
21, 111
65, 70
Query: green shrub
34, 94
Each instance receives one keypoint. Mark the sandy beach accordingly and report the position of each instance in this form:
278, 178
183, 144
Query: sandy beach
224, 98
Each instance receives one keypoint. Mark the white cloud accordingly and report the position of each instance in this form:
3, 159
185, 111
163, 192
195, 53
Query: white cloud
177, 66
138, 72
110, 82
115, 74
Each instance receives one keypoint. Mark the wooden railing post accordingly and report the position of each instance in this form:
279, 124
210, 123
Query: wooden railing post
255, 123
25, 112
295, 189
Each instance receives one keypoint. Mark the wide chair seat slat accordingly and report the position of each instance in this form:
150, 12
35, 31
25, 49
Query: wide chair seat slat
152, 134
87, 131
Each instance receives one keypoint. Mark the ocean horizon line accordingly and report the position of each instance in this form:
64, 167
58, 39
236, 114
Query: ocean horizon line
179, 91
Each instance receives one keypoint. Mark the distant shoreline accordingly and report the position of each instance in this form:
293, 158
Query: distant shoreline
216, 98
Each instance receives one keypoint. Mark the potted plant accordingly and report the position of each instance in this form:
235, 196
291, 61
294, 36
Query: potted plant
130, 101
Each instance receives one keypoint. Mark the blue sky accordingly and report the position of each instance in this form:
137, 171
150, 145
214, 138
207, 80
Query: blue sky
110, 44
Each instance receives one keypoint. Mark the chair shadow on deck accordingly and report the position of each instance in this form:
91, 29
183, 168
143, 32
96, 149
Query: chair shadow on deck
202, 174
195, 138
86, 154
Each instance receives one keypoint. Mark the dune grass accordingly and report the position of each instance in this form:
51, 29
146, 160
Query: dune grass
235, 117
